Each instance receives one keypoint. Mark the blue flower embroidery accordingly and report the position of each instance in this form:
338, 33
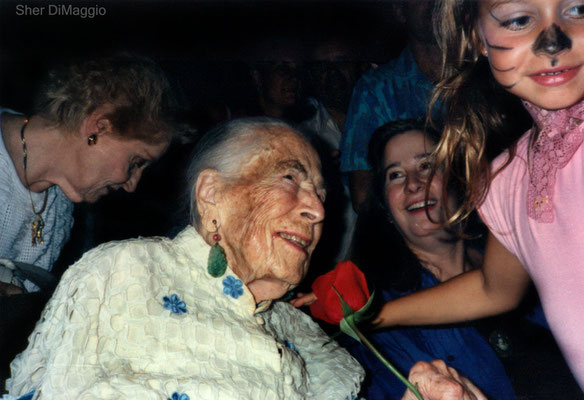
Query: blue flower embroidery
179, 396
290, 345
174, 304
232, 287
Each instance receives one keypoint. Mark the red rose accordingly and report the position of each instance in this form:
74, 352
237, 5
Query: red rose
349, 281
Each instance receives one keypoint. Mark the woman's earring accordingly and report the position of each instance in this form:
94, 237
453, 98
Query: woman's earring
217, 263
91, 140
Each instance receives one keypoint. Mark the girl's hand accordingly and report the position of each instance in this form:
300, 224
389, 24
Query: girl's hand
303, 299
381, 320
437, 381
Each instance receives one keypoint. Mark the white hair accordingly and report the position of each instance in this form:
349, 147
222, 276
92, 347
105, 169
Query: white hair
225, 149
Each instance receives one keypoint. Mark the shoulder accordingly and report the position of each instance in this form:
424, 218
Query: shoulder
519, 156
509, 170
6, 177
378, 77
398, 68
129, 256
384, 74
508, 183
132, 247
6, 166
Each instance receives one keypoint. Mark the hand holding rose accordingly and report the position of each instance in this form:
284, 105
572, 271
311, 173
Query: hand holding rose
432, 381
437, 381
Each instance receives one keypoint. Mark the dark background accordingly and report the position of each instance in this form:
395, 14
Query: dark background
204, 46
196, 40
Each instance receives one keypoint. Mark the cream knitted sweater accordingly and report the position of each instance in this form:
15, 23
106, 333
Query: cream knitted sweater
142, 319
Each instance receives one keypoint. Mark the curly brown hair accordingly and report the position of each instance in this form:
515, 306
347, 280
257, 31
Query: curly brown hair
144, 104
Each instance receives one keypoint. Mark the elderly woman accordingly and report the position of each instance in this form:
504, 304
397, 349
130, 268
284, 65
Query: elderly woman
96, 125
193, 317
157, 318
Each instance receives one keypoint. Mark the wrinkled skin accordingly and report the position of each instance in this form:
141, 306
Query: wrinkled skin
111, 164
85, 169
525, 40
280, 191
437, 381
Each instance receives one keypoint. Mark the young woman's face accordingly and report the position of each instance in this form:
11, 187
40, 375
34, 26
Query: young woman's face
407, 166
535, 48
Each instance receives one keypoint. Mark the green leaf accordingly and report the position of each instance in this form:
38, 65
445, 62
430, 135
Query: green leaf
347, 310
352, 318
348, 326
362, 314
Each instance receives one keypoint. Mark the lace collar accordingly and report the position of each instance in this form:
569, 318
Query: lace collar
561, 133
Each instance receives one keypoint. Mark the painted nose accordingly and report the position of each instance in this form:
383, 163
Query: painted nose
551, 42
312, 207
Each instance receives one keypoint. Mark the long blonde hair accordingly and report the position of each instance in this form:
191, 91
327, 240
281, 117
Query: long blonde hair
469, 98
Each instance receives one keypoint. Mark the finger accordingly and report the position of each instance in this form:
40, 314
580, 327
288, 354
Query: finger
477, 394
304, 299
299, 302
437, 381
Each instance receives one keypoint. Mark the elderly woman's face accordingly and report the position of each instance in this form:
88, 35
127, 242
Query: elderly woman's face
109, 165
272, 216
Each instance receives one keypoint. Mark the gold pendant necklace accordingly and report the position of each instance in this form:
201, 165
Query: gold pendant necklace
38, 223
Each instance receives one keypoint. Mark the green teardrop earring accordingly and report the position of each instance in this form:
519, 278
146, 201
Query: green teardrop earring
217, 263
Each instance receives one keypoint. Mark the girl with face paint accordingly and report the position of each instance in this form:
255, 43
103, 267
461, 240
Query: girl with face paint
531, 196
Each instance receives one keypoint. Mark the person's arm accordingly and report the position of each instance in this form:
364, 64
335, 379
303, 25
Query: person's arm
437, 381
495, 288
359, 182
